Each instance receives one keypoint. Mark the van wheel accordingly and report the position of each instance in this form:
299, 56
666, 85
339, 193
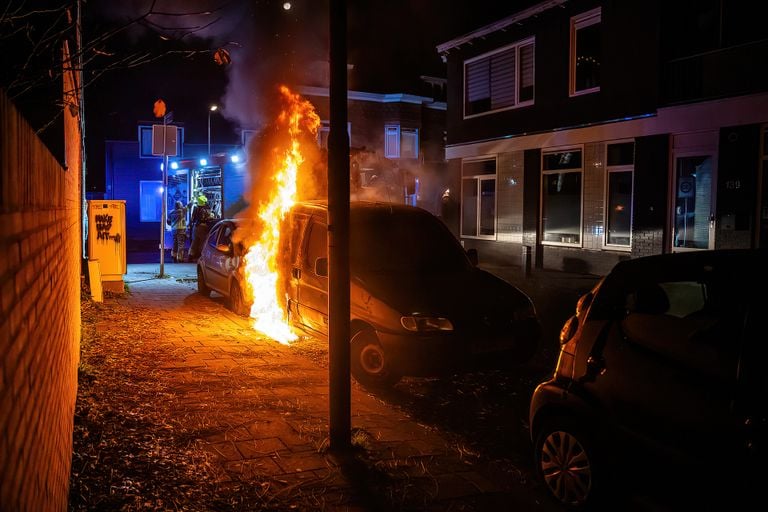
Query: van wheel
566, 463
202, 289
237, 300
369, 363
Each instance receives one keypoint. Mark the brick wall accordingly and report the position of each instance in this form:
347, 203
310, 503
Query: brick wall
40, 319
594, 196
531, 203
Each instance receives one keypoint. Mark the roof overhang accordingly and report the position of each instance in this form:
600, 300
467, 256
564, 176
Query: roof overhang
375, 97
499, 25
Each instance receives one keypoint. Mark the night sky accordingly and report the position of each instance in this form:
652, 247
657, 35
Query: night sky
391, 43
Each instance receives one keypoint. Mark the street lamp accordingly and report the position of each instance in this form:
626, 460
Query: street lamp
211, 109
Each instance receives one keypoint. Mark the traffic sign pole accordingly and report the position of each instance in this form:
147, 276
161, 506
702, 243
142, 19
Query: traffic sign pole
165, 201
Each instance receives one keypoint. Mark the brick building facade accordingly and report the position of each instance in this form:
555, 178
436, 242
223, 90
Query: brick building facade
40, 244
588, 131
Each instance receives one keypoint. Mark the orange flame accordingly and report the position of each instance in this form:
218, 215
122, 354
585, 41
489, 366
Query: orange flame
261, 266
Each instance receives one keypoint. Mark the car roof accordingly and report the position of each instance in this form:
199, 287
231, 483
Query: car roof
747, 262
321, 207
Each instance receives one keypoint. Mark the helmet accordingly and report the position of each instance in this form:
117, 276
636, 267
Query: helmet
202, 200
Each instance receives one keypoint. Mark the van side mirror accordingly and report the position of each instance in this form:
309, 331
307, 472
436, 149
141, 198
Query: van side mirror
321, 267
569, 329
583, 303
472, 253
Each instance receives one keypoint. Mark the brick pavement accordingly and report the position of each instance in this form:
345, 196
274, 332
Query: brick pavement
264, 410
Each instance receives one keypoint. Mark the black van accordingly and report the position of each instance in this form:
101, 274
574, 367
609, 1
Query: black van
418, 304
660, 387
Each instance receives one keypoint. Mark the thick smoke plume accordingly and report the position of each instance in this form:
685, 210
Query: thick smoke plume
276, 47
267, 153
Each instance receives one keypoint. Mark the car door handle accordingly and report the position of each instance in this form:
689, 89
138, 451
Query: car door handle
296, 273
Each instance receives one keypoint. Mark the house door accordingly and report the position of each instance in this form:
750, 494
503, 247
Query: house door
694, 192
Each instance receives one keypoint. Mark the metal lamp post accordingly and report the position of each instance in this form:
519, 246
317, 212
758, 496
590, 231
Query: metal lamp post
211, 109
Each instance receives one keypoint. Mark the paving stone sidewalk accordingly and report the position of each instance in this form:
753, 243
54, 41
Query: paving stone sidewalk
264, 408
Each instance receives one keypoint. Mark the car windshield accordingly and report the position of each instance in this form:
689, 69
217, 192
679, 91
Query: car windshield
397, 241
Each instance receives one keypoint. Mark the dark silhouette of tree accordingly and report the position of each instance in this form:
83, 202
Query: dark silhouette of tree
33, 34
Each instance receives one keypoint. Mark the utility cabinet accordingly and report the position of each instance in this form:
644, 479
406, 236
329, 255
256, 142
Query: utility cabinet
106, 240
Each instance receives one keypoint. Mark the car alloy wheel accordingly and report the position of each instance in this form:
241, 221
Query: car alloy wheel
372, 359
370, 364
566, 468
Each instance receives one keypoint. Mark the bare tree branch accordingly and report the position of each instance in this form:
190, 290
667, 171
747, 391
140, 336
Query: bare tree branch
44, 30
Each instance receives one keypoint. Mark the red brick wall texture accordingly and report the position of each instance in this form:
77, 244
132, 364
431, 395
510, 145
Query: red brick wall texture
39, 313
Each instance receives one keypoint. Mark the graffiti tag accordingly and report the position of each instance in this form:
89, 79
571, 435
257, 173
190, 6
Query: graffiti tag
103, 226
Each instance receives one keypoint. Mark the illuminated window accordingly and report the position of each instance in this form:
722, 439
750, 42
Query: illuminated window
401, 142
561, 198
150, 200
499, 80
586, 53
618, 204
478, 198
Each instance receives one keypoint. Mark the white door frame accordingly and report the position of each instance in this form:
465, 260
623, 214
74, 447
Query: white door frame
689, 145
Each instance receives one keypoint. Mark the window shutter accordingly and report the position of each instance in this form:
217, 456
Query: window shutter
526, 72
392, 142
503, 79
477, 80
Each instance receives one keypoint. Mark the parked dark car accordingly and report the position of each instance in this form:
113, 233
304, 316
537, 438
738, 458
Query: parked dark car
660, 387
419, 306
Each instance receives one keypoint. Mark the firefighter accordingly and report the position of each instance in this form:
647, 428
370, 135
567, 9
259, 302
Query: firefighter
202, 219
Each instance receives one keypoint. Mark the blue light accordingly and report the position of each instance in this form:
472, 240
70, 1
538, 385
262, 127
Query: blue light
174, 165
234, 159
203, 162
162, 166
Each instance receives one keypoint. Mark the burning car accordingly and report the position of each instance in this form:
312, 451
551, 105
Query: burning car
418, 305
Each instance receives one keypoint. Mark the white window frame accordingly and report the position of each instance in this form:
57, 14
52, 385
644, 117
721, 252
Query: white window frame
687, 152
583, 20
389, 151
479, 178
518, 104
544, 173
156, 183
325, 127
608, 170
397, 131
